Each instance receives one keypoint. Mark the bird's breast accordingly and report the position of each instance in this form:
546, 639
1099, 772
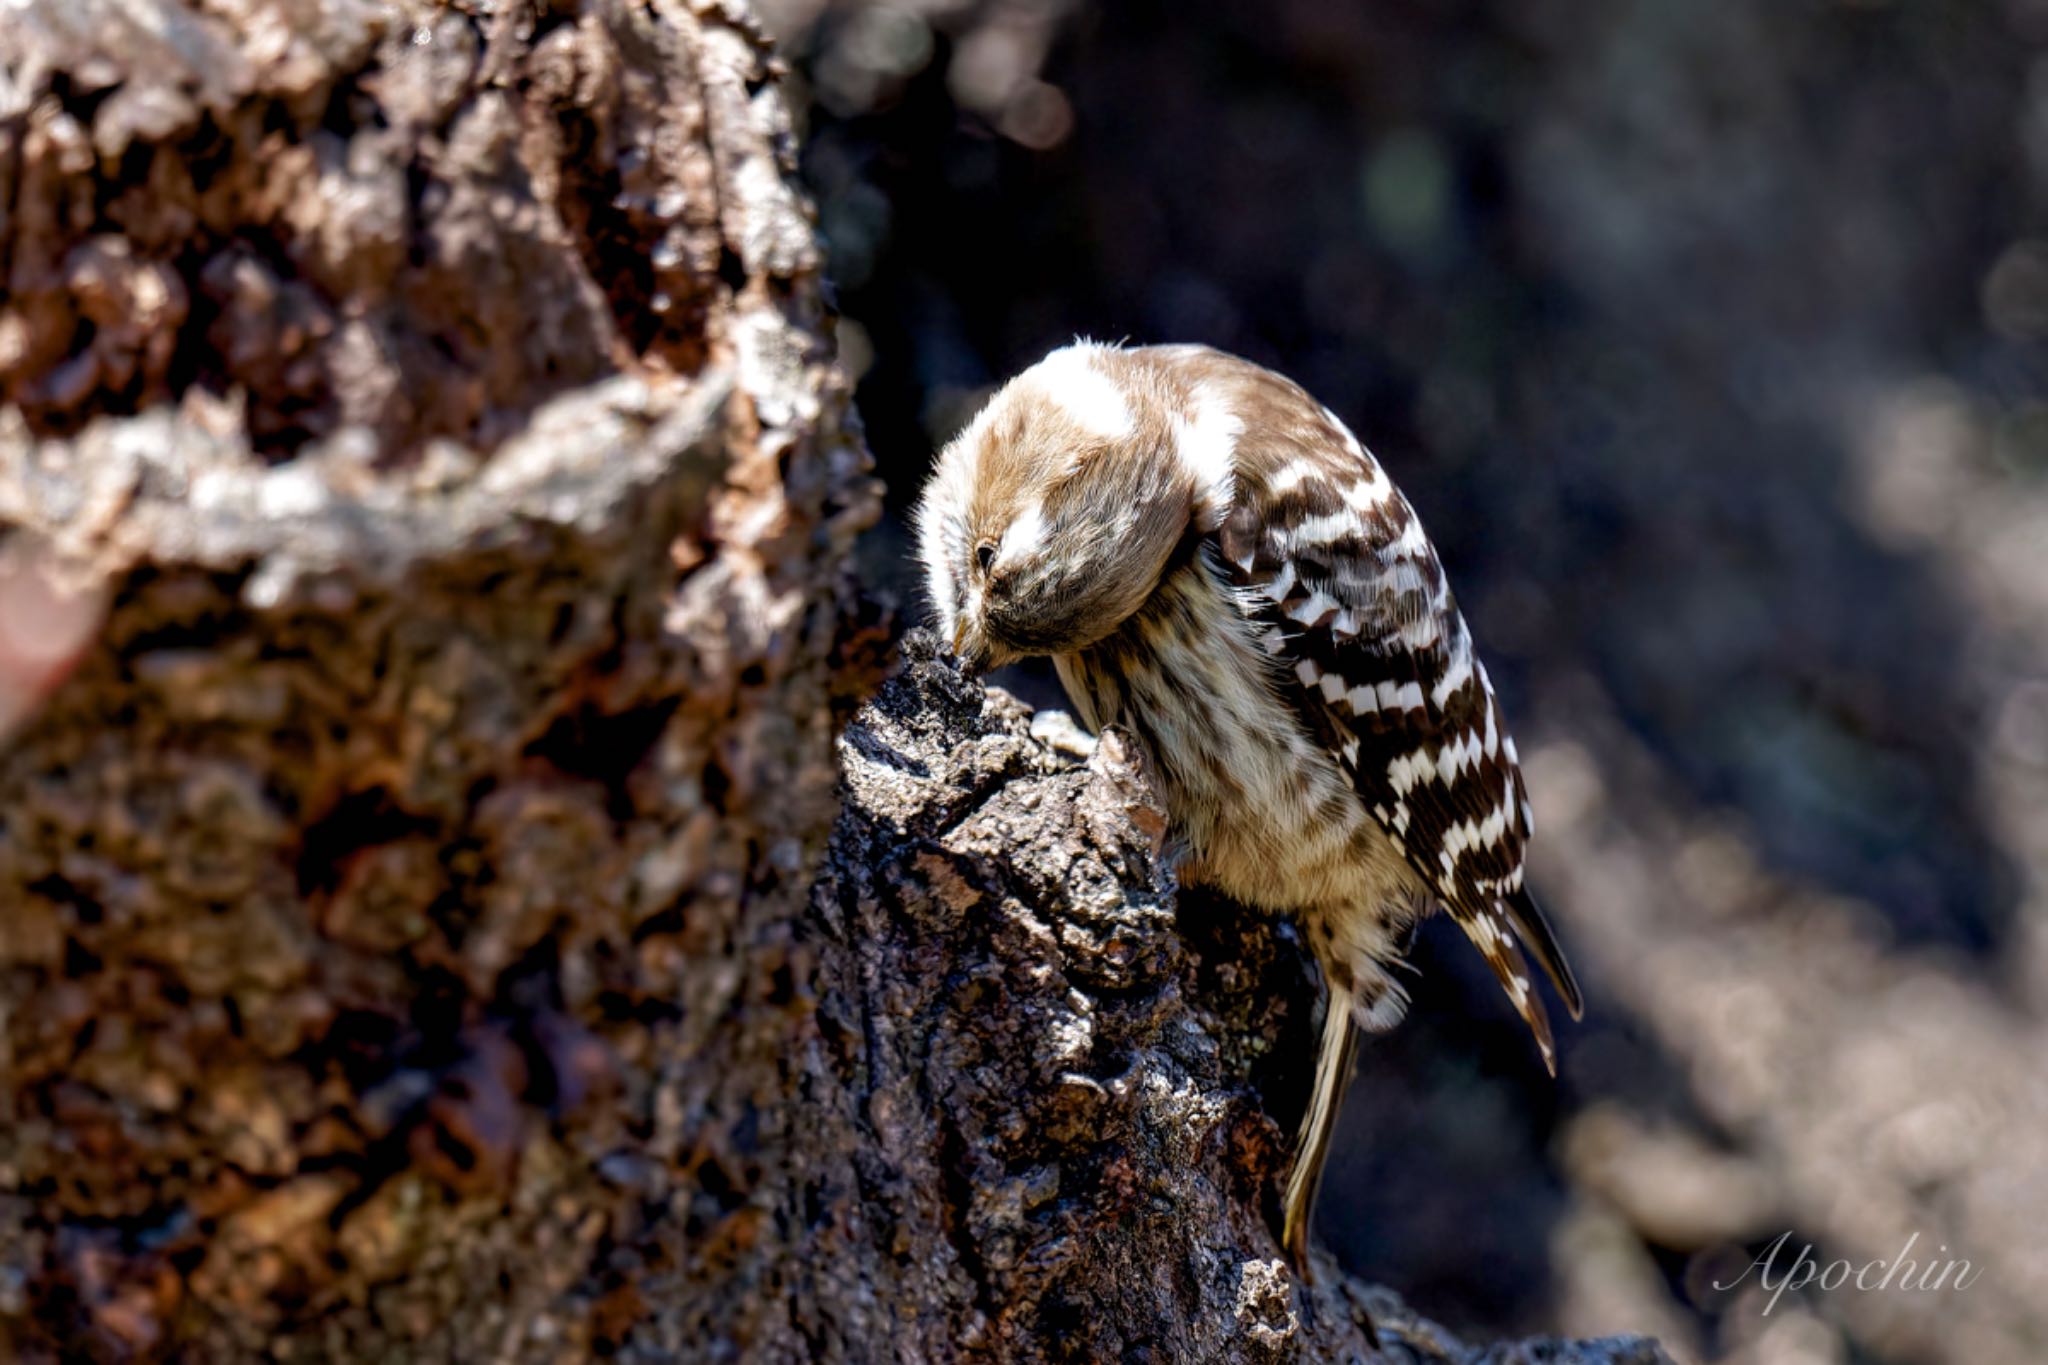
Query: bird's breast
1267, 814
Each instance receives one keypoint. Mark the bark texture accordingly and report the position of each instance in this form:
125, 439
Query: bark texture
408, 945
1062, 1100
396, 959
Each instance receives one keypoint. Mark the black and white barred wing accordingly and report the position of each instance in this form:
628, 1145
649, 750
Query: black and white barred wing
1378, 661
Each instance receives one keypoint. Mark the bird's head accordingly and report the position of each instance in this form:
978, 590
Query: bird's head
1050, 519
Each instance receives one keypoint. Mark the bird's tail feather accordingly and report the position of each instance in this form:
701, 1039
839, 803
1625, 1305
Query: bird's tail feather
1534, 928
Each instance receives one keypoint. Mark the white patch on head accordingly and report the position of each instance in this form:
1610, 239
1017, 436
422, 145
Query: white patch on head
1207, 446
938, 576
942, 524
1025, 536
1071, 380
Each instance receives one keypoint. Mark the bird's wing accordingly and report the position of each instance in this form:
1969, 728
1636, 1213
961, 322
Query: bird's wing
1329, 557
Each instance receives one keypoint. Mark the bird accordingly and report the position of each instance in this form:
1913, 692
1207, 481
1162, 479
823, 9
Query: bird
1215, 564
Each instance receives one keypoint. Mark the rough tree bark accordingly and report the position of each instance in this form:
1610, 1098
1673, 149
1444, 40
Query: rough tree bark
408, 947
1057, 1080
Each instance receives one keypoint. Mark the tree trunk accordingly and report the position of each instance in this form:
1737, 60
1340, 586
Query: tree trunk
408, 947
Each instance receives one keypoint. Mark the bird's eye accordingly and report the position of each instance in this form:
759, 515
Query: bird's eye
985, 556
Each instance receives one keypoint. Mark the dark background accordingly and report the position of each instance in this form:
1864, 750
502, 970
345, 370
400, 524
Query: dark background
1708, 340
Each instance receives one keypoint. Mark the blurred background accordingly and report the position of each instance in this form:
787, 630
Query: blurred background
1711, 342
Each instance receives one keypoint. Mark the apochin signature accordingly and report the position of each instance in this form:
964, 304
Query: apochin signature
1871, 1277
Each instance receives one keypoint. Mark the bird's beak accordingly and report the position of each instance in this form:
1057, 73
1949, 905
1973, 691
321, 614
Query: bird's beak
973, 660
